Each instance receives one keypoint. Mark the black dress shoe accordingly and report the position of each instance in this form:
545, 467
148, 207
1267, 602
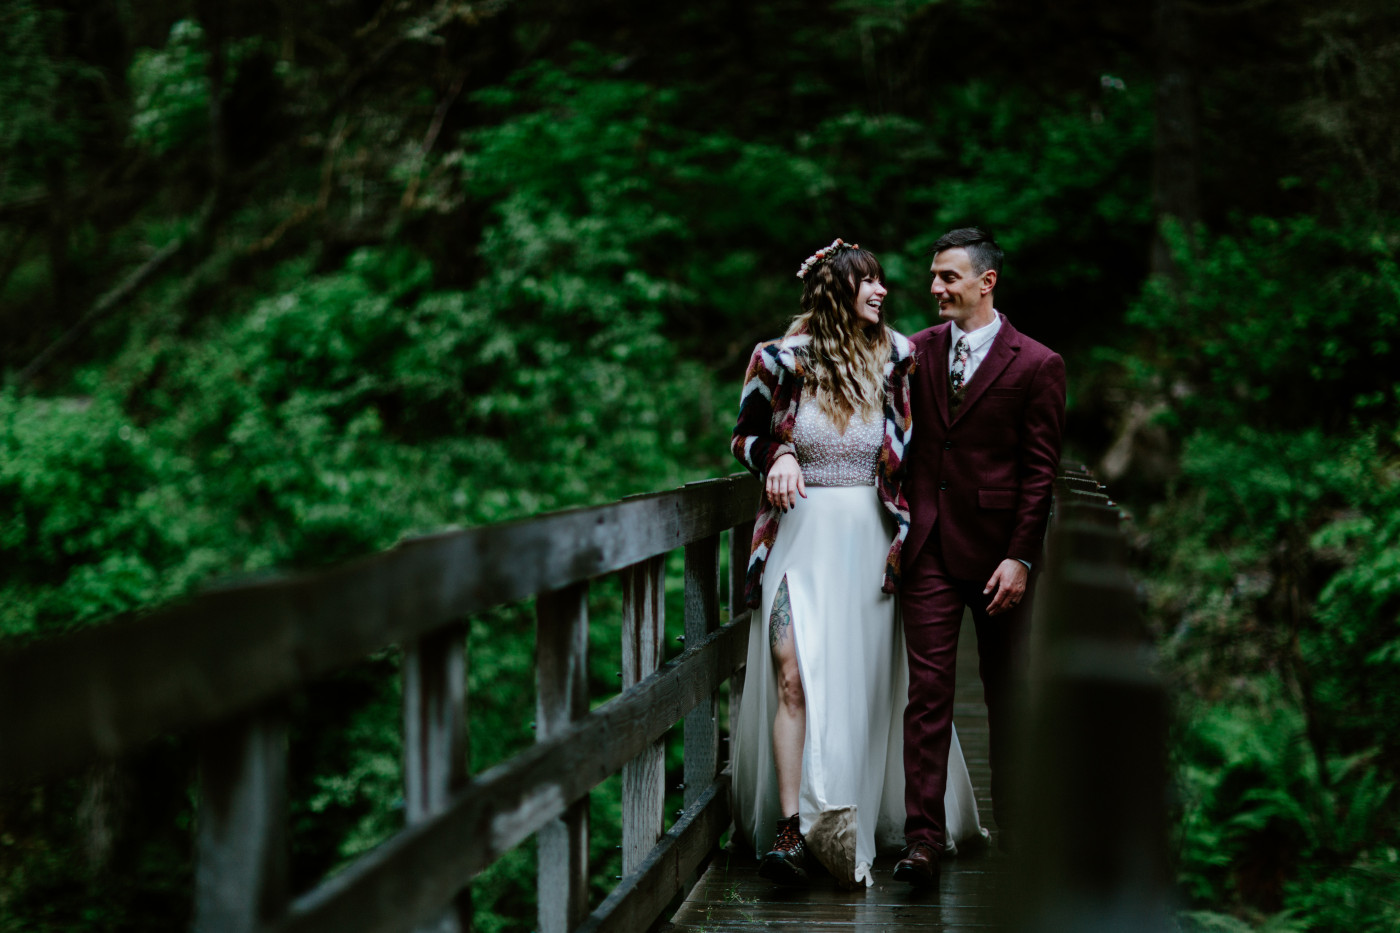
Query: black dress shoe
919, 867
786, 862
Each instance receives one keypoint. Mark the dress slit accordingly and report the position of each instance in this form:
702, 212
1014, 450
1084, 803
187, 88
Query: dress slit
830, 552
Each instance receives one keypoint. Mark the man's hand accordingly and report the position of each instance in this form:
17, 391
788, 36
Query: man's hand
1008, 585
785, 483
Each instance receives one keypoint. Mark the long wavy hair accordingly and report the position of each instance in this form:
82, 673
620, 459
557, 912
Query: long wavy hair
847, 356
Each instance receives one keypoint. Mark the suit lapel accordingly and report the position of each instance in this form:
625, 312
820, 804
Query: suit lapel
938, 370
1003, 350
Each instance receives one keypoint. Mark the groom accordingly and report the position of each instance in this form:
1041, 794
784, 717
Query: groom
988, 412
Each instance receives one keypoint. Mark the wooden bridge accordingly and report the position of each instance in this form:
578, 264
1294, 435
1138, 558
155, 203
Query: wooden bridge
224, 663
972, 893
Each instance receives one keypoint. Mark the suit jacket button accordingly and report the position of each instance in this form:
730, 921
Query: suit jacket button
947, 445
943, 485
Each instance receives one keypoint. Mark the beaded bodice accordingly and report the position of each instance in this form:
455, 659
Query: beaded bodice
830, 458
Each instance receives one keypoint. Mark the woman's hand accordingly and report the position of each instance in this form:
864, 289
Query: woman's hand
785, 482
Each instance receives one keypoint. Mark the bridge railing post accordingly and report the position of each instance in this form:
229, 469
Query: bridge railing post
241, 841
701, 736
1096, 794
561, 697
740, 539
435, 741
643, 778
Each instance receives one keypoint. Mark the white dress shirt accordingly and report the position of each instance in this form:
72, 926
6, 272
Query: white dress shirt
979, 344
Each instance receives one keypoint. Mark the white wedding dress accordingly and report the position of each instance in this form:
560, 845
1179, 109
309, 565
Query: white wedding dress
831, 548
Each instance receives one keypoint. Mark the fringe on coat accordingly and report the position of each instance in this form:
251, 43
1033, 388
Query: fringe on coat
767, 414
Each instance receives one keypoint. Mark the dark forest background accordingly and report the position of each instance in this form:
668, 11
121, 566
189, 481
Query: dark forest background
283, 282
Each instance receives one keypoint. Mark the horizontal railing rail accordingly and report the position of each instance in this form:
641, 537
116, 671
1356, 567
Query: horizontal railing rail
108, 689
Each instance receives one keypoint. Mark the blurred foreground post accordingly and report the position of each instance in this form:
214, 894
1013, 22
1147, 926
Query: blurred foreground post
241, 855
1095, 789
435, 742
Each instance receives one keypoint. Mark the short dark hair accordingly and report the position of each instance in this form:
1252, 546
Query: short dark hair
981, 248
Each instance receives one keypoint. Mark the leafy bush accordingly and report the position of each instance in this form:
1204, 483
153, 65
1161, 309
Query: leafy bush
1284, 319
170, 90
1271, 577
99, 517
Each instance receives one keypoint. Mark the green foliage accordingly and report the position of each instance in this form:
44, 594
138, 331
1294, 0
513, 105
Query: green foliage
1283, 687
35, 125
1045, 177
170, 90
1272, 579
1356, 645
428, 302
1363, 896
1205, 921
1283, 317
594, 182
170, 87
98, 520
1255, 812
365, 792
1267, 481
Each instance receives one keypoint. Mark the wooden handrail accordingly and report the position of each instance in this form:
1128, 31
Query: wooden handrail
1095, 794
100, 692
222, 663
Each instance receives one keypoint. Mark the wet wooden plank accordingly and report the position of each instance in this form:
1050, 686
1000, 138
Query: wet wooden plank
733, 897
970, 894
642, 897
737, 880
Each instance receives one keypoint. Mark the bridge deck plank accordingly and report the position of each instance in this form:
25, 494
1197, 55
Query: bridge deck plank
731, 896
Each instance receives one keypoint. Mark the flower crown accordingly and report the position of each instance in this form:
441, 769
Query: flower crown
824, 253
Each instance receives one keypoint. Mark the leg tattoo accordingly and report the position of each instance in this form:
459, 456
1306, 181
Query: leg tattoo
780, 620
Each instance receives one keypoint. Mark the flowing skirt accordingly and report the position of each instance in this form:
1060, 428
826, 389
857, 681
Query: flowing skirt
850, 647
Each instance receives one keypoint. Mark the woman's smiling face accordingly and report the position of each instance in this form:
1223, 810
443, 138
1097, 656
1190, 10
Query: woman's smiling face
870, 296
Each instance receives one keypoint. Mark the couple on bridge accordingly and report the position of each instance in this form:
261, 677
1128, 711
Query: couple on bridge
905, 479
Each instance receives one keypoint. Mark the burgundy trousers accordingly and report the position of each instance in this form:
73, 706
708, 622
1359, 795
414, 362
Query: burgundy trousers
932, 603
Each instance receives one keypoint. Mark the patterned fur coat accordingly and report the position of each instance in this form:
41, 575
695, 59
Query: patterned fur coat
767, 413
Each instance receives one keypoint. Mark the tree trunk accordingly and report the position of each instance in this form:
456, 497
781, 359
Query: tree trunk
1177, 155
60, 223
213, 16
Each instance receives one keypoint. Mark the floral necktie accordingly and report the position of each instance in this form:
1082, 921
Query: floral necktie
957, 375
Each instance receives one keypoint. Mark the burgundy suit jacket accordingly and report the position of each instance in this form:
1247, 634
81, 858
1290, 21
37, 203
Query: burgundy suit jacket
984, 479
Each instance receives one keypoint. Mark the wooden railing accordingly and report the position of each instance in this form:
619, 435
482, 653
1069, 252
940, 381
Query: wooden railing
1096, 797
224, 663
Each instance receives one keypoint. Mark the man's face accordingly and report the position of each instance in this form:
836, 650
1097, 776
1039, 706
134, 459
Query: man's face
957, 288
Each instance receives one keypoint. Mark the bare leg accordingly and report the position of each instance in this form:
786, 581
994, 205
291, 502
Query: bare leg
790, 722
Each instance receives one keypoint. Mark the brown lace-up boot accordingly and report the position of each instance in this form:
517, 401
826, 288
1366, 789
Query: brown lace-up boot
786, 863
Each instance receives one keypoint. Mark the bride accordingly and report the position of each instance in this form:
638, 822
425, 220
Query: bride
824, 419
